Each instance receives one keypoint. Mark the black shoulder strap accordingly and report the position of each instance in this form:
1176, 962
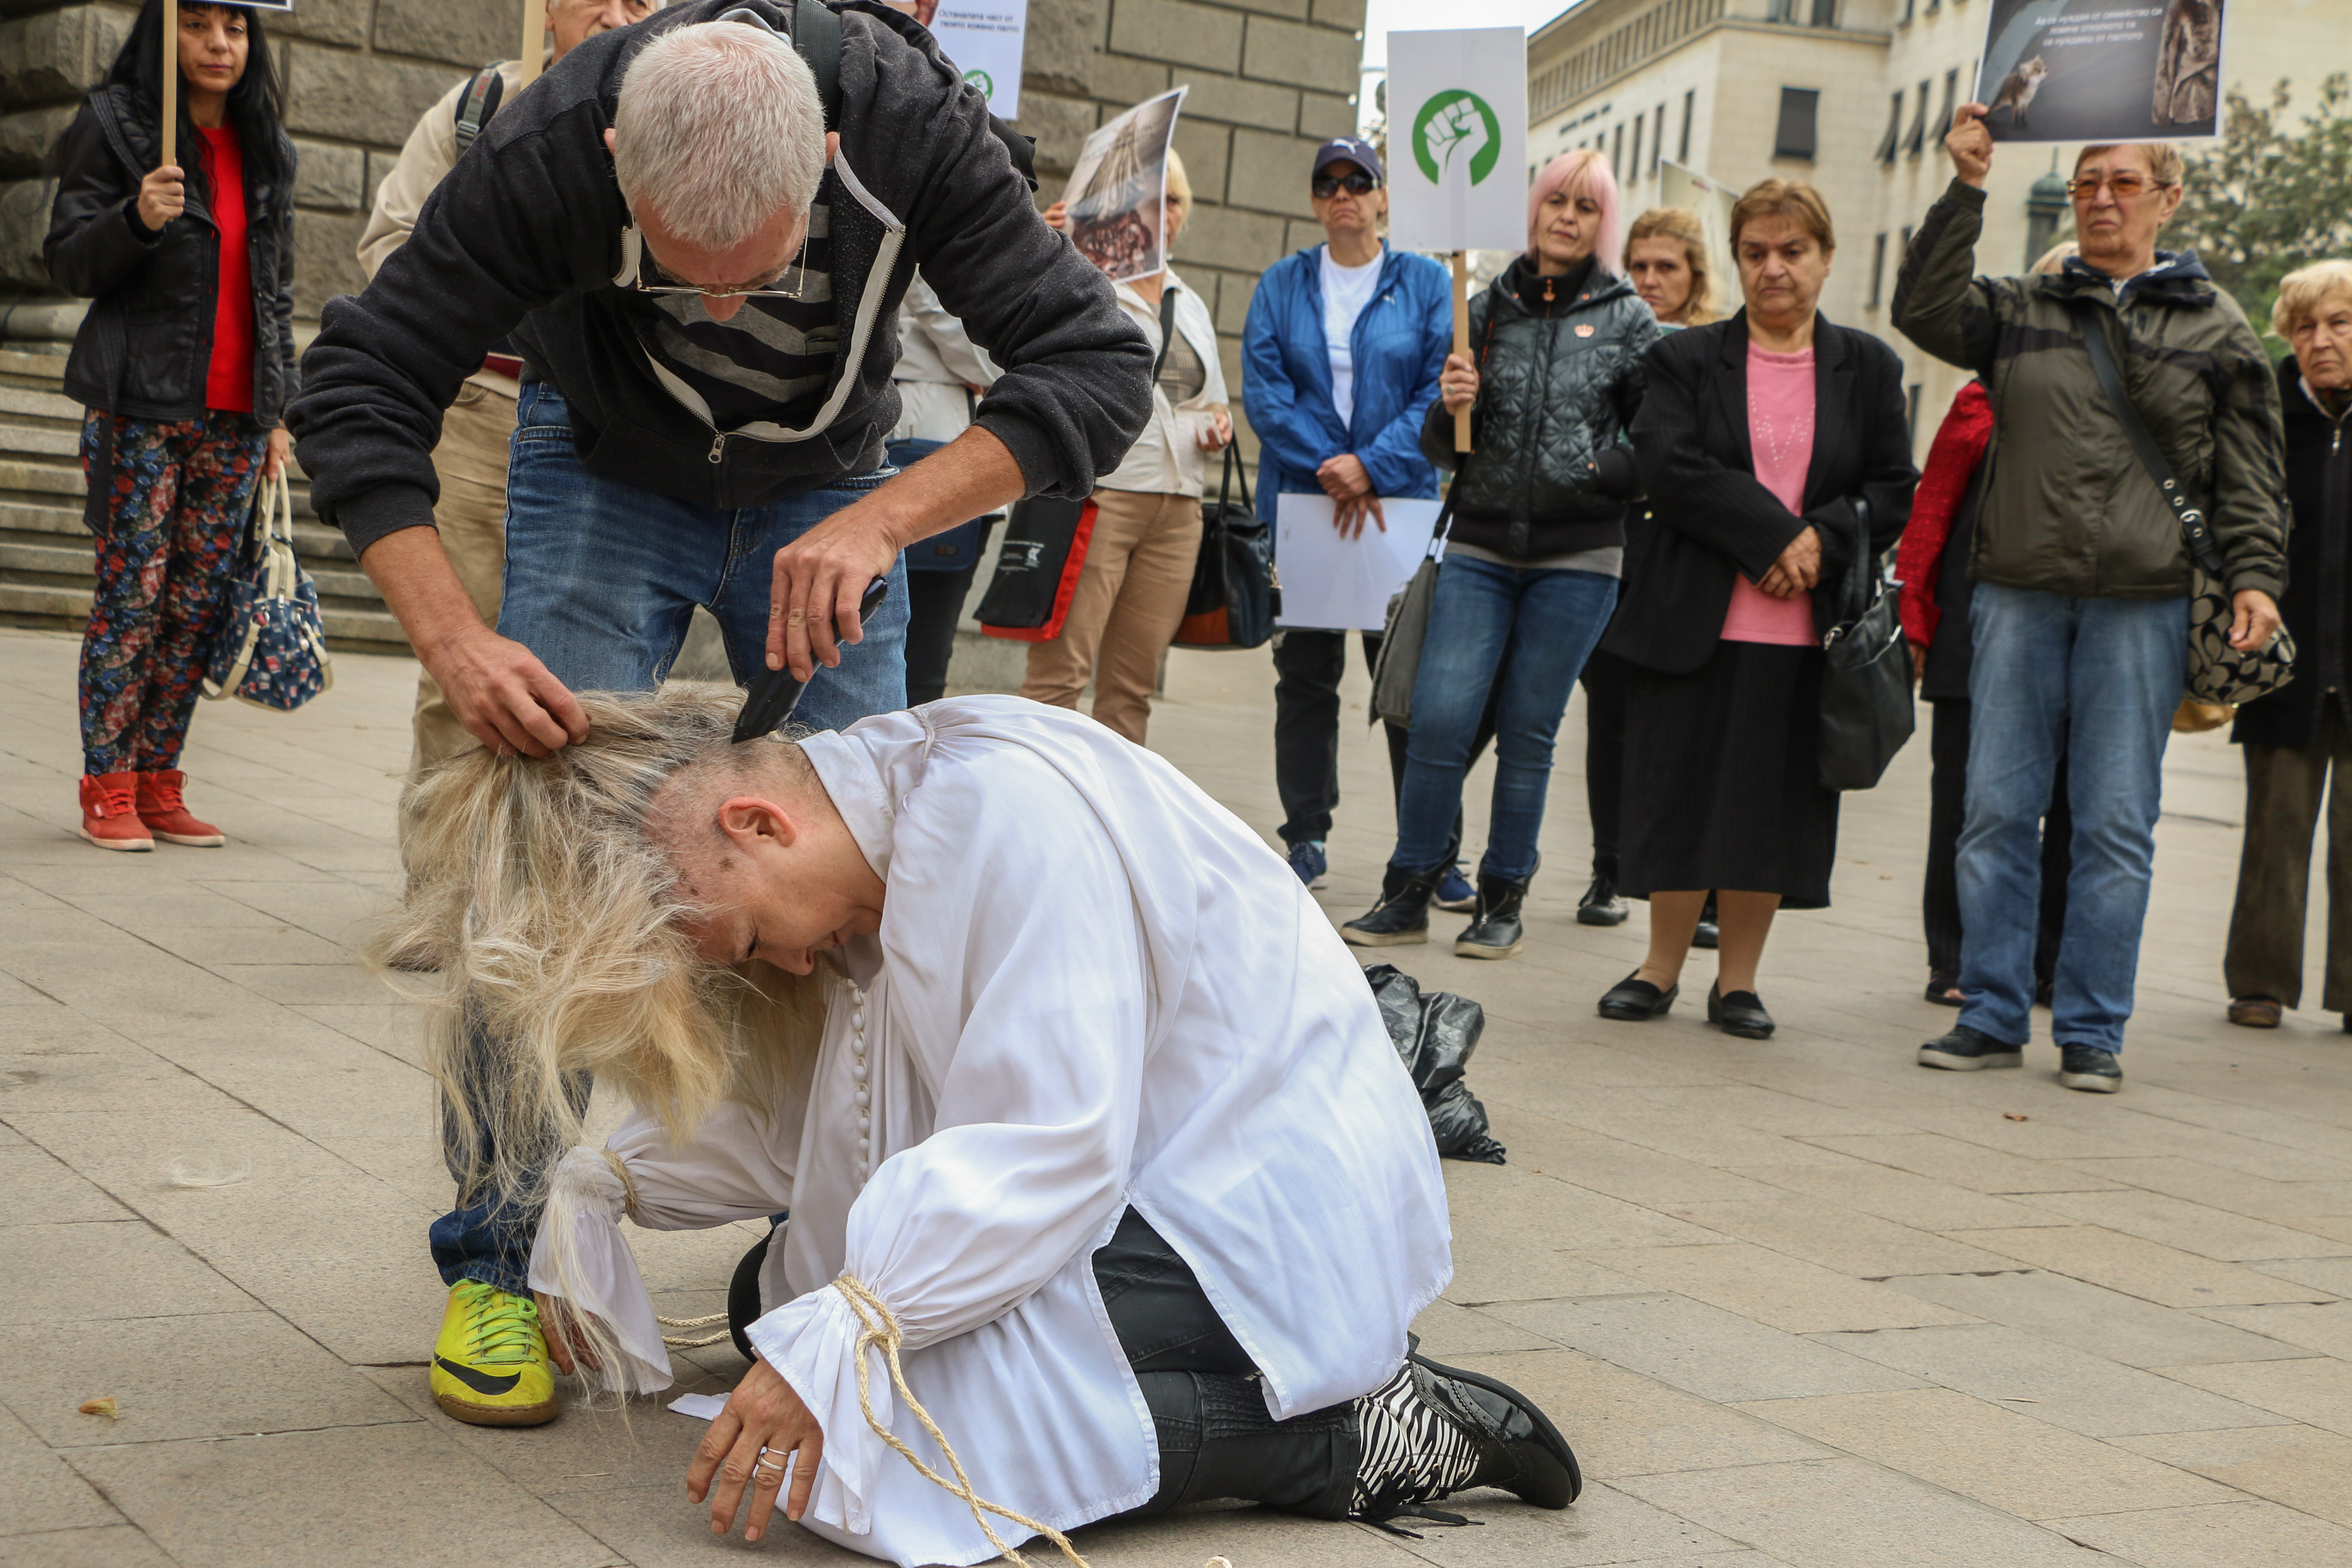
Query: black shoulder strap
816, 34
2200, 541
480, 101
1167, 327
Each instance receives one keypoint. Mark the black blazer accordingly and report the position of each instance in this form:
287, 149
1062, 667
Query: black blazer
2317, 604
1710, 516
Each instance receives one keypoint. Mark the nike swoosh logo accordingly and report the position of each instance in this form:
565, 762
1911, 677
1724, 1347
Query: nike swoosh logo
480, 1382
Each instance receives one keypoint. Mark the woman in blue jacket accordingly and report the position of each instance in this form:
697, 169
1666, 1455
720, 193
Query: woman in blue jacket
1340, 357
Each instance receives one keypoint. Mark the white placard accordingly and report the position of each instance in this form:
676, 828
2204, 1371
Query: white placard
1345, 585
984, 37
1458, 140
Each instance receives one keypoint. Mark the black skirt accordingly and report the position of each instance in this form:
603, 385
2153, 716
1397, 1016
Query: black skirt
1723, 778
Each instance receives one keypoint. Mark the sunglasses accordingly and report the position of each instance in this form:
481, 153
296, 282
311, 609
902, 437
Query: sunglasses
2125, 185
1359, 184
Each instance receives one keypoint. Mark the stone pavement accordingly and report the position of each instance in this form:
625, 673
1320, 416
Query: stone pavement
1796, 1302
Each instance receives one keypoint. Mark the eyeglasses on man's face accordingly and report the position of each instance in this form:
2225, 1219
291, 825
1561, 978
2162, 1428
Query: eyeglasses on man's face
2125, 185
1355, 183
771, 289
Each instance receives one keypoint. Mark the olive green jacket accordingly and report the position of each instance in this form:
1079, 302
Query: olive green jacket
2068, 509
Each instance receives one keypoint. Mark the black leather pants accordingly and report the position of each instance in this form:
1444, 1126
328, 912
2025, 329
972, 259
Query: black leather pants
1216, 1439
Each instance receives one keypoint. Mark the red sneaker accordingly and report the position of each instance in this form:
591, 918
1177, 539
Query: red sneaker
109, 812
166, 814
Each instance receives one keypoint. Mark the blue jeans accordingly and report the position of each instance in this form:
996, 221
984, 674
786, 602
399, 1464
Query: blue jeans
602, 579
2101, 678
1536, 627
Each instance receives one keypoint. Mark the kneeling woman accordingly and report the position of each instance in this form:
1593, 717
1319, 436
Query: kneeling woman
1086, 1111
1772, 446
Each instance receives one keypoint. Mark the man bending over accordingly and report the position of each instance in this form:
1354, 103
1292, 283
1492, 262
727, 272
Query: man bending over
1054, 1064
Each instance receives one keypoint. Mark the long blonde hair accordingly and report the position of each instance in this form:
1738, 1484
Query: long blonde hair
544, 931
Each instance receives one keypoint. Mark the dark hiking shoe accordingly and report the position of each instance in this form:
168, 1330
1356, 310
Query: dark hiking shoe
1433, 1430
1496, 932
1967, 1050
1600, 905
2089, 1068
1635, 1000
1402, 914
1740, 1013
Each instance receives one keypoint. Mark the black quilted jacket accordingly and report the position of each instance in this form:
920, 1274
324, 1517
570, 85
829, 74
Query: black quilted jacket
1554, 392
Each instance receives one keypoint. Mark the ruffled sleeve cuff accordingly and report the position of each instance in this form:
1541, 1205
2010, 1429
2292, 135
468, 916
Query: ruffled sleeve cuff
580, 1255
811, 1343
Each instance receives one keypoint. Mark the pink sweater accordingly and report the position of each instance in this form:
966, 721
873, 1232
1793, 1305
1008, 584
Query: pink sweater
1781, 430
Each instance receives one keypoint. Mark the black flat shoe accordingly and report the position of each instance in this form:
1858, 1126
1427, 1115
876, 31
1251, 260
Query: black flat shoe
1634, 1000
1741, 1013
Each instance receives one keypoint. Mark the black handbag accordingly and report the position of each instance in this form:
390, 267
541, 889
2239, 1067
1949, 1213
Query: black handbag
2216, 672
1236, 593
1866, 708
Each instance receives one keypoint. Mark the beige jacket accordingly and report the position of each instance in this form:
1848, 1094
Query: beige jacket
1166, 458
431, 152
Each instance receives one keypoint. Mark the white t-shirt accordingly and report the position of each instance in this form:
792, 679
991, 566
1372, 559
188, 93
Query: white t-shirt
1346, 291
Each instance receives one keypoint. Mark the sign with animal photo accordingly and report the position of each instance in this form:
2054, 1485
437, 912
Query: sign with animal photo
2102, 70
1458, 140
1116, 192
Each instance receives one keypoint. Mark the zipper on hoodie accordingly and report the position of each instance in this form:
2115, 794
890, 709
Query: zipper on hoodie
717, 448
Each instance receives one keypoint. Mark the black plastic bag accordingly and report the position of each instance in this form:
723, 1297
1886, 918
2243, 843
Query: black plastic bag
1435, 1036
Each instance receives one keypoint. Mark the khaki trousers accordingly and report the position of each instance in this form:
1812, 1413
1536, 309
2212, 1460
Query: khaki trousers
2285, 786
1129, 598
471, 516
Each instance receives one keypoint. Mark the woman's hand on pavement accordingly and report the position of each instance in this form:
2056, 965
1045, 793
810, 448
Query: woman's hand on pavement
2256, 621
163, 196
281, 447
1459, 384
1798, 569
763, 1414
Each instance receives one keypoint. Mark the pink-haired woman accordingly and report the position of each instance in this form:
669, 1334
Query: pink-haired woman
1538, 531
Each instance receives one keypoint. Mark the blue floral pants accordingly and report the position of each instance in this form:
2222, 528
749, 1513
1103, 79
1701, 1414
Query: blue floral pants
180, 498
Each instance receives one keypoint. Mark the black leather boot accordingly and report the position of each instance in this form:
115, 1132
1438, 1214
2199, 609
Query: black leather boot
1402, 914
1496, 931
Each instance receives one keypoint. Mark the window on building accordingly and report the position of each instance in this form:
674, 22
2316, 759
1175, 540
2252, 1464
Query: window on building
1909, 8
1951, 101
1824, 13
1877, 269
1795, 135
1617, 154
1894, 136
1917, 138
1634, 169
1690, 111
1658, 140
1780, 11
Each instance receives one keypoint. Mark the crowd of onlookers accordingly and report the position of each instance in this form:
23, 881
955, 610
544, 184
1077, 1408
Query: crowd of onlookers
1662, 494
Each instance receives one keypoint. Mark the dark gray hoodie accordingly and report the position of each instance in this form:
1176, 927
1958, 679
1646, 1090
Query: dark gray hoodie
524, 236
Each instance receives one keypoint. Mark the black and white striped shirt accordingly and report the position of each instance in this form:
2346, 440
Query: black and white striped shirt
772, 360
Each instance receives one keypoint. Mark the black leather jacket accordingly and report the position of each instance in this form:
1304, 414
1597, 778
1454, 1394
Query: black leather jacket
145, 348
1554, 393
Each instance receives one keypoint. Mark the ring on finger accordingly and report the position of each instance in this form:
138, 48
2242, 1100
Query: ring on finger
769, 1464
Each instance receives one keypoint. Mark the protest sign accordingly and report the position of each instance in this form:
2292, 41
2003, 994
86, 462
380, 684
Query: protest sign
1458, 153
1712, 201
2102, 70
1333, 583
1118, 190
983, 40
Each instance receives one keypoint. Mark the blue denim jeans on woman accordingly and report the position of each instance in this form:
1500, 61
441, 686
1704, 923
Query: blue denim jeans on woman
2102, 678
601, 580
1536, 627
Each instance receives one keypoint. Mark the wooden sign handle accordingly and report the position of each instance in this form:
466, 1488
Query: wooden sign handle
534, 39
171, 83
1462, 340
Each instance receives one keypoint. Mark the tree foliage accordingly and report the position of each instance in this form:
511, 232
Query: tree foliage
2271, 196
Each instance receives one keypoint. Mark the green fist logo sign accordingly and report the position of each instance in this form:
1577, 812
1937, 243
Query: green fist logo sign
1457, 126
980, 78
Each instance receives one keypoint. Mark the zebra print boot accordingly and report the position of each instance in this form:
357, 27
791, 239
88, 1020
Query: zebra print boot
1431, 1431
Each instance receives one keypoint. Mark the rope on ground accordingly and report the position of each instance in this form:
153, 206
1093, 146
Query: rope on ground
679, 1341
880, 1328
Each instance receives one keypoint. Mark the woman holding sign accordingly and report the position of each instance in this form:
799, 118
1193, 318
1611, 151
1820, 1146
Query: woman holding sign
1539, 535
184, 363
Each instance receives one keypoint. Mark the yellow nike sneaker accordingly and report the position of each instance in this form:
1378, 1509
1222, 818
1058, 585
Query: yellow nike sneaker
489, 1365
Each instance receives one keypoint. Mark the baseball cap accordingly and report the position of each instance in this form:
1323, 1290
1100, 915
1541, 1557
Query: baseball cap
1350, 150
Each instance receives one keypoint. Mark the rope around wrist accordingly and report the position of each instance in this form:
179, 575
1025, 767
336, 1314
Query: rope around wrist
880, 1328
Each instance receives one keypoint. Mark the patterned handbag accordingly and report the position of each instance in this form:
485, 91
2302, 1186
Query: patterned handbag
272, 650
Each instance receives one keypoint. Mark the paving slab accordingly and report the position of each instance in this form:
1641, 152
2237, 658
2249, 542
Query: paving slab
1916, 1203
2316, 1390
2096, 1321
2144, 1268
2196, 1227
107, 1546
105, 1270
2324, 1326
1839, 1238
1963, 1164
2222, 1535
1701, 1349
1773, 1288
2297, 1466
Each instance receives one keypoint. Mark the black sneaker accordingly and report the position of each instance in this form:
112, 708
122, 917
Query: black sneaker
1498, 932
1431, 1431
2089, 1068
1402, 914
1709, 932
1968, 1050
1601, 906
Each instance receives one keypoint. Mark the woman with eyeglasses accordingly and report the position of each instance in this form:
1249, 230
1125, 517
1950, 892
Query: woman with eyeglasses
1529, 578
2081, 609
1340, 355
1130, 594
184, 363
